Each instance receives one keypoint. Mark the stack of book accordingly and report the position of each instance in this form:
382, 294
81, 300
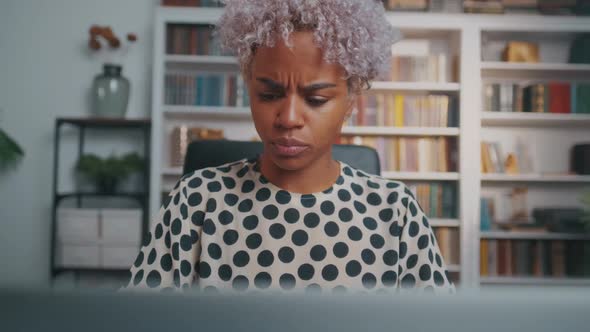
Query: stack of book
397, 110
192, 39
408, 154
427, 68
437, 199
483, 6
552, 97
448, 240
535, 258
193, 3
519, 162
205, 89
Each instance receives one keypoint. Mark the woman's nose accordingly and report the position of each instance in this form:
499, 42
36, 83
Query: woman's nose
290, 113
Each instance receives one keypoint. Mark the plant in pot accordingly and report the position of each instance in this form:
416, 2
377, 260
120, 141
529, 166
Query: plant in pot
106, 173
10, 151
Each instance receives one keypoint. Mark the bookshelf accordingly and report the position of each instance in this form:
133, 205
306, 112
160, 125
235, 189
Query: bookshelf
470, 43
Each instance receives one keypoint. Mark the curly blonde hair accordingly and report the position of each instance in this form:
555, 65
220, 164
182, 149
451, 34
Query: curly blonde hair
352, 33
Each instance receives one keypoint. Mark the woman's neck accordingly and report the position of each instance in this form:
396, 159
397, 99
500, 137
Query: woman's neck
316, 177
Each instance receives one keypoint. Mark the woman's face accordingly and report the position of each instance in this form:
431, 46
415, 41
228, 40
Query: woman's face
298, 101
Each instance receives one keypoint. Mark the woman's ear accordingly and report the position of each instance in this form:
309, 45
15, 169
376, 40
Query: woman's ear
352, 100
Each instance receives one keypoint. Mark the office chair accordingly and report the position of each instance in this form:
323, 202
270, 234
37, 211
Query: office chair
208, 153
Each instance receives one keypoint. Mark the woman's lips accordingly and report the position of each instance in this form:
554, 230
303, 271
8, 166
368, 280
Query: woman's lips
288, 146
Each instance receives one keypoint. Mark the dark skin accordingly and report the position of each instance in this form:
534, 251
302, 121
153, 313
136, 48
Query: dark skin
296, 95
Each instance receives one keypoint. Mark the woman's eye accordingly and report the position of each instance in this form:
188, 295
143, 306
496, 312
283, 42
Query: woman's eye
268, 96
316, 102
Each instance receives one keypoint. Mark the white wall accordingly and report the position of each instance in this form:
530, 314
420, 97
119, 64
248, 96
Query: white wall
45, 72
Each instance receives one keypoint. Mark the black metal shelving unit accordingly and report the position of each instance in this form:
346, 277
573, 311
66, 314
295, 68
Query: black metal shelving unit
82, 124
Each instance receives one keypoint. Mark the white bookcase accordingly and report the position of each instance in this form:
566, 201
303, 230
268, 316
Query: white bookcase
475, 40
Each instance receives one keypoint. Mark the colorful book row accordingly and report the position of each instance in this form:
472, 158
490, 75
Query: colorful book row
437, 199
205, 89
398, 110
448, 240
192, 39
427, 68
192, 3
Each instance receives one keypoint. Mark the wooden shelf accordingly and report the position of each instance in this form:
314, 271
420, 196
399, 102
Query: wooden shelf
532, 178
535, 281
409, 87
201, 59
440, 222
400, 131
518, 119
96, 122
441, 176
223, 111
521, 235
535, 70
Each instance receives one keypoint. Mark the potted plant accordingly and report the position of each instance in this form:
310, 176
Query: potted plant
10, 151
106, 173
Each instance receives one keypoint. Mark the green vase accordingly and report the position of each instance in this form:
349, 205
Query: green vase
110, 92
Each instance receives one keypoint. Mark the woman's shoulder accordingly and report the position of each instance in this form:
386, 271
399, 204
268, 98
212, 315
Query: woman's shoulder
231, 170
373, 182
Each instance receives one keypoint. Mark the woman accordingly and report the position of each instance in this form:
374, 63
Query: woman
294, 218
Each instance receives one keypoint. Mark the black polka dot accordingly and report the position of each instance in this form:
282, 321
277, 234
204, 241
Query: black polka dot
214, 251
225, 217
425, 272
197, 218
353, 268
347, 171
241, 258
209, 227
277, 231
425, 222
262, 280
318, 253
208, 174
340, 250
186, 243
154, 279
250, 222
214, 186
265, 258
211, 205
354, 233
330, 272
340, 180
390, 257
225, 272
194, 236
368, 256
395, 229
299, 237
253, 241
286, 254
177, 196
195, 183
423, 242
374, 199
345, 214
392, 198
344, 195
247, 186
138, 277
403, 249
159, 231
166, 218
166, 262
270, 212
230, 199
438, 260
305, 271
177, 278
413, 209
308, 200
327, 208
313, 288
311, 220
287, 281
357, 189
228, 182
438, 278
230, 237
283, 197
386, 214
243, 171
331, 228
183, 211
372, 184
176, 226
377, 241
138, 259
291, 215
430, 256
262, 194
414, 229
195, 199
167, 240
245, 205
152, 256
412, 261
389, 278
240, 283
369, 280
408, 281
204, 269
176, 251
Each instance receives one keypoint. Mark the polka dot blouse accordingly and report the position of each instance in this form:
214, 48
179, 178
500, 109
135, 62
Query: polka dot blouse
228, 228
